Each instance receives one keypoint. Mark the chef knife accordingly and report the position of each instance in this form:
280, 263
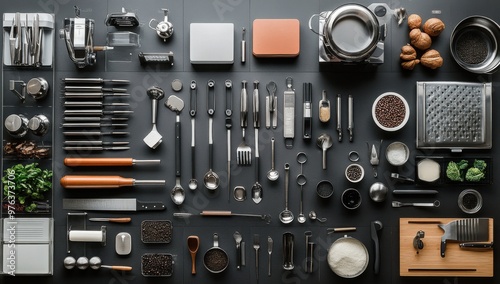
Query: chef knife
111, 204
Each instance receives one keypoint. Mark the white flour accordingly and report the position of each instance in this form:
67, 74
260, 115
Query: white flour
347, 257
397, 154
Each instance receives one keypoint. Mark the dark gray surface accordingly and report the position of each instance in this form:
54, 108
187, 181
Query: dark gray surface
364, 85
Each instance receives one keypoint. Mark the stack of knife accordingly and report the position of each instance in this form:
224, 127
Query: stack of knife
93, 112
25, 40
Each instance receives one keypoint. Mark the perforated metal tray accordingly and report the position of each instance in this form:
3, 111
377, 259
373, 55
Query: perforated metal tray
453, 115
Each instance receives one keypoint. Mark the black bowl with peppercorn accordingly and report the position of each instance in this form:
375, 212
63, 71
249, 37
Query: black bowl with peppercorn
390, 111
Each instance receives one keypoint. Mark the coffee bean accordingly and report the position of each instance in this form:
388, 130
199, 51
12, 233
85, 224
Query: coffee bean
215, 260
354, 172
156, 231
156, 264
390, 111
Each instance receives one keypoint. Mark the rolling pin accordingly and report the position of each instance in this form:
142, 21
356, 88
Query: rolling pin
107, 162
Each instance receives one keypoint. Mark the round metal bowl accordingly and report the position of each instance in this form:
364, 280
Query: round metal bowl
351, 32
348, 257
474, 44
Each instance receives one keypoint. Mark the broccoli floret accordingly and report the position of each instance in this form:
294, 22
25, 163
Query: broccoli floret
480, 164
453, 172
474, 174
463, 164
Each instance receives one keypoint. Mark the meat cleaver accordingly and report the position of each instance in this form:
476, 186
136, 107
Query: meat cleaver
465, 230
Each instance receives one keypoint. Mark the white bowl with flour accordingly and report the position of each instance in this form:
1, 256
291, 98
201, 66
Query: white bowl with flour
348, 257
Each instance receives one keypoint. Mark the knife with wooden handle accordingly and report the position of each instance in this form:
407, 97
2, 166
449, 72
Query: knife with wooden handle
91, 181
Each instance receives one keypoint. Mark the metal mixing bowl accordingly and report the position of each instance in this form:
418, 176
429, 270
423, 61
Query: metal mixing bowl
474, 44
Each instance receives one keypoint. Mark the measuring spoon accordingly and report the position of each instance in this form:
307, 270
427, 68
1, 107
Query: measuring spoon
313, 216
193, 183
193, 243
176, 105
286, 216
301, 180
324, 141
272, 174
211, 178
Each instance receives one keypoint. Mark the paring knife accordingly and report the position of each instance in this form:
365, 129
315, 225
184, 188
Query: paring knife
111, 204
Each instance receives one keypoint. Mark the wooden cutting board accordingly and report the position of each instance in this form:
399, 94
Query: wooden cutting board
428, 262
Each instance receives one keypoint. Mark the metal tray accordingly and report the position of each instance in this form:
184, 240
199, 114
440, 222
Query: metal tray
454, 115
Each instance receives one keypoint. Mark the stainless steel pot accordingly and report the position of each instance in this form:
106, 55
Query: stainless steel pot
474, 44
351, 32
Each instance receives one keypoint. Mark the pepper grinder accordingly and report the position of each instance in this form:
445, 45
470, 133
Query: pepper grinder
39, 124
38, 88
16, 125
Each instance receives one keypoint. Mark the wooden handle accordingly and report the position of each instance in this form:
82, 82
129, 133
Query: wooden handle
119, 267
215, 213
98, 162
120, 220
77, 181
193, 263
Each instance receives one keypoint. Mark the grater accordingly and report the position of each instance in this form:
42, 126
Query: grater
454, 115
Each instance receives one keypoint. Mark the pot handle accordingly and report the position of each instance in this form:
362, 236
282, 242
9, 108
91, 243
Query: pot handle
383, 32
216, 240
310, 23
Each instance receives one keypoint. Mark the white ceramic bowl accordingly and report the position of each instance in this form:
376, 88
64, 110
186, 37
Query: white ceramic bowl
405, 119
355, 180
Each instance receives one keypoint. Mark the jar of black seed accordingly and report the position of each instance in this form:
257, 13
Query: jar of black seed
470, 201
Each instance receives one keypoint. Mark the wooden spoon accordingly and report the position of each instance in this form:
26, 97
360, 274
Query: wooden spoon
193, 243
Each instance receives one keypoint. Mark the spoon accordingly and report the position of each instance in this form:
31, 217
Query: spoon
193, 243
378, 191
96, 263
272, 174
324, 141
211, 178
313, 216
193, 183
301, 180
237, 240
286, 216
176, 105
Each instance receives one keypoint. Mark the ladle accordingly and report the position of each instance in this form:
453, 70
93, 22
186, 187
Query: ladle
272, 174
324, 141
96, 263
176, 105
313, 216
286, 216
193, 183
301, 180
211, 178
193, 243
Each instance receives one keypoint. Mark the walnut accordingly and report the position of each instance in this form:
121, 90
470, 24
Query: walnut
433, 26
408, 53
414, 21
409, 65
420, 40
432, 59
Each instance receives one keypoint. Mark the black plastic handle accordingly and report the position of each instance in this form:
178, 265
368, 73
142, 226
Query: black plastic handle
177, 147
192, 101
150, 206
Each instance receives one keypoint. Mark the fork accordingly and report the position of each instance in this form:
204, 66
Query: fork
244, 152
256, 247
